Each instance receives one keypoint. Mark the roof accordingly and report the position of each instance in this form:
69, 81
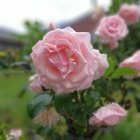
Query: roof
85, 23
8, 40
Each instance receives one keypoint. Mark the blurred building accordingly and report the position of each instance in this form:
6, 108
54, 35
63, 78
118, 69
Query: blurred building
87, 22
8, 41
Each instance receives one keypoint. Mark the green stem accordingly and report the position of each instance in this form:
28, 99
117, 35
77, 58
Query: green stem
124, 94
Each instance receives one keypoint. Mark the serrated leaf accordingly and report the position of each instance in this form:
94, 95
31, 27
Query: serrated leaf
122, 71
38, 104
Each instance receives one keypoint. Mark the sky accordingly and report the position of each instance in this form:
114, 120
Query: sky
14, 12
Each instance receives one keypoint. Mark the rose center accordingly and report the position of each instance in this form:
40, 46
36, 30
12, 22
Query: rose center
59, 60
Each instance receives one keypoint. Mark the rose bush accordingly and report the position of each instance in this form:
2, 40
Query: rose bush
66, 62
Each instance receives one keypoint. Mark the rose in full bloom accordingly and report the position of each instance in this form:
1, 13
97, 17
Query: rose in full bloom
130, 13
132, 62
111, 29
110, 114
48, 117
65, 60
35, 84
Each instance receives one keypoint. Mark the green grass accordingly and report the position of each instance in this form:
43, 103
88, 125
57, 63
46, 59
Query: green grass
12, 108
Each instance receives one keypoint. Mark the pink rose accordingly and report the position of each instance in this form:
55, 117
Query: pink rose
35, 84
110, 114
111, 29
66, 61
130, 13
132, 62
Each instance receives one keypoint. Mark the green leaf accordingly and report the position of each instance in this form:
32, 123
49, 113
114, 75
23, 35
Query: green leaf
38, 104
81, 117
49, 133
123, 71
111, 67
102, 86
92, 96
43, 130
63, 102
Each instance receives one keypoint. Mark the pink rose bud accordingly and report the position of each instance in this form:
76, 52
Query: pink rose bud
65, 60
51, 26
35, 84
49, 117
132, 62
111, 29
110, 114
130, 13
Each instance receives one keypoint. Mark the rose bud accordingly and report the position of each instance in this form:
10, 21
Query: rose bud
110, 114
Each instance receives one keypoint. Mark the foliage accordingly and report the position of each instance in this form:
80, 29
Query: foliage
34, 31
38, 104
